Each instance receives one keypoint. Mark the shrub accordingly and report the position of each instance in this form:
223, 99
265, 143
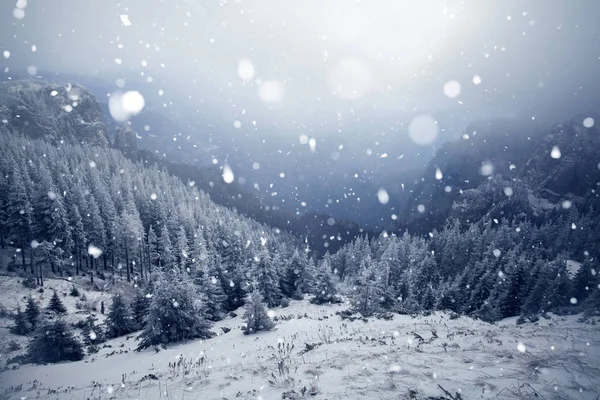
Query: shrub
74, 291
29, 282
13, 345
22, 325
53, 342
56, 304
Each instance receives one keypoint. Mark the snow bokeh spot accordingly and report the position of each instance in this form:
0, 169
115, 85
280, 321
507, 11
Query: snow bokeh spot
228, 176
452, 89
588, 122
423, 130
271, 91
521, 347
94, 251
123, 106
245, 69
486, 169
383, 196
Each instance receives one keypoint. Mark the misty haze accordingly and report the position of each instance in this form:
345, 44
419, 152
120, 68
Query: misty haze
262, 199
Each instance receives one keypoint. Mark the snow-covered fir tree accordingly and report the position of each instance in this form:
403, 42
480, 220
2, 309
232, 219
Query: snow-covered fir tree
176, 312
119, 321
255, 317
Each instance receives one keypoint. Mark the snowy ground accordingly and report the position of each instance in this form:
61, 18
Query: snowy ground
557, 358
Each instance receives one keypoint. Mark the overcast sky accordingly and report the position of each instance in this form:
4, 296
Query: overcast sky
320, 89
376, 56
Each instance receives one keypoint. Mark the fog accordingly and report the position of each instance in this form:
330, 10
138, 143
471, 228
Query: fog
259, 78
378, 56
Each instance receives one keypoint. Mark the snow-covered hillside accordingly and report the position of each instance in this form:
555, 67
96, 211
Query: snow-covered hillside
314, 352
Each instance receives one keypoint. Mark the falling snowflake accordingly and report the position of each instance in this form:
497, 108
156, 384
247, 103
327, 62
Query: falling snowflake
555, 153
94, 251
452, 89
228, 176
125, 19
383, 196
271, 91
245, 69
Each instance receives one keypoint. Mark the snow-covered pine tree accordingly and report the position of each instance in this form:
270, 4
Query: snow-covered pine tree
21, 326
139, 308
266, 277
92, 333
32, 313
212, 291
119, 321
153, 254
165, 249
54, 341
56, 305
367, 294
256, 317
182, 250
175, 313
325, 289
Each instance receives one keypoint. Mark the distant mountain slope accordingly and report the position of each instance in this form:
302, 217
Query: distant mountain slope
52, 112
71, 114
503, 153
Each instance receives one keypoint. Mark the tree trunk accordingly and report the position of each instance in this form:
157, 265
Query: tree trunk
149, 259
91, 270
31, 269
141, 251
127, 261
23, 251
104, 260
76, 259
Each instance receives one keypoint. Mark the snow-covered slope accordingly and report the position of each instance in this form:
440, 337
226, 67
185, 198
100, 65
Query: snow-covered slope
333, 358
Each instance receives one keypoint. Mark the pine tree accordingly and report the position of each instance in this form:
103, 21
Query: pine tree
255, 316
214, 297
78, 233
19, 211
165, 249
119, 321
32, 313
175, 313
54, 341
21, 326
153, 254
266, 277
139, 308
92, 334
56, 305
511, 299
367, 293
182, 249
325, 289
537, 302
